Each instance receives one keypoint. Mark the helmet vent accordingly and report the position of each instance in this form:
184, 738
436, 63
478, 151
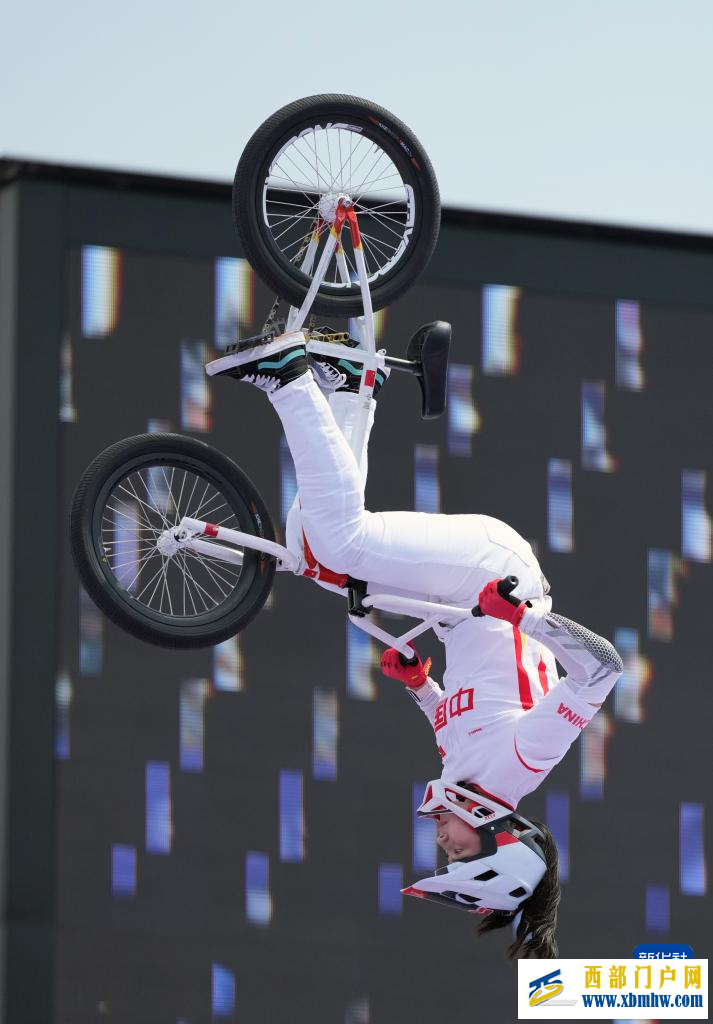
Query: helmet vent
462, 897
519, 891
486, 876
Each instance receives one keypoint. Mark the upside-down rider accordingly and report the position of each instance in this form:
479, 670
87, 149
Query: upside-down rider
503, 719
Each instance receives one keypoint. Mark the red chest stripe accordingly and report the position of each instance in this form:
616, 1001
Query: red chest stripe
542, 671
523, 680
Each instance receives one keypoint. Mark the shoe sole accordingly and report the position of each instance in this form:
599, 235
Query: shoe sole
254, 352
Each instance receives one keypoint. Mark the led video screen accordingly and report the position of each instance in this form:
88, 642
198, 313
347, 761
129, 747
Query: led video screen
235, 824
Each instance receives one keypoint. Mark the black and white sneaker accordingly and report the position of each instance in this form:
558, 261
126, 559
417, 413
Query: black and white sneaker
266, 361
341, 369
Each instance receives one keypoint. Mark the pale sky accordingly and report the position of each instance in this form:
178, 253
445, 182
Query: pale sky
581, 109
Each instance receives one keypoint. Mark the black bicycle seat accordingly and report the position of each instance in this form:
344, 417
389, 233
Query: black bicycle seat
429, 349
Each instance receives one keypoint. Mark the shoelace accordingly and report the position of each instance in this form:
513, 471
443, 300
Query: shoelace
263, 380
330, 374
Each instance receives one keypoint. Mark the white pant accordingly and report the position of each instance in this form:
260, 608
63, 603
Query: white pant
447, 557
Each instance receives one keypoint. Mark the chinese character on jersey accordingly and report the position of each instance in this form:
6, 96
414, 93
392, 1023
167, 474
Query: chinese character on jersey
453, 707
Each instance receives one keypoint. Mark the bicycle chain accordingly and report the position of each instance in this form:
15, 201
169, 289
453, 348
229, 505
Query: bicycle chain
271, 321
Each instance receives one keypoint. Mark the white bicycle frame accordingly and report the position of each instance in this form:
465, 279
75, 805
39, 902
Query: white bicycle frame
223, 543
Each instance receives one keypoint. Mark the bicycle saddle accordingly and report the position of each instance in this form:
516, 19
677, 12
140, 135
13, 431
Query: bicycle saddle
429, 349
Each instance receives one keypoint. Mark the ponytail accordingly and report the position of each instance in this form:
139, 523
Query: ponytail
535, 933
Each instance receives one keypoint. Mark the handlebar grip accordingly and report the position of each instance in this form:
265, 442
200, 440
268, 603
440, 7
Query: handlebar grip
505, 588
407, 661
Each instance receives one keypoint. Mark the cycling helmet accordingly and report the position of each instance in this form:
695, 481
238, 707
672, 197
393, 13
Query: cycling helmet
508, 868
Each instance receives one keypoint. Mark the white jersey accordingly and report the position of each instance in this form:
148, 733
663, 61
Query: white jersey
504, 719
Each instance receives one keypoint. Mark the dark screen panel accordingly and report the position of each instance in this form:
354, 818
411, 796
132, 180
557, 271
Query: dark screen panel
233, 824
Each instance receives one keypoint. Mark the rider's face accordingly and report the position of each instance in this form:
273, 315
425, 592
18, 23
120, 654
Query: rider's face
456, 838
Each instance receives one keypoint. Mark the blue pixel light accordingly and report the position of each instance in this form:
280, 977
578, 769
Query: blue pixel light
557, 818
63, 694
559, 505
463, 420
191, 723
390, 886
500, 352
291, 818
695, 521
657, 908
195, 391
258, 902
360, 683
123, 870
424, 834
159, 825
325, 733
223, 991
427, 491
692, 856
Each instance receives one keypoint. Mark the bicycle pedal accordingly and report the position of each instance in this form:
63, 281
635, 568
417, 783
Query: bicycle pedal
335, 338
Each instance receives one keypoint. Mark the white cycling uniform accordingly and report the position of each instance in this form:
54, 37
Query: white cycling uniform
440, 557
503, 719
496, 727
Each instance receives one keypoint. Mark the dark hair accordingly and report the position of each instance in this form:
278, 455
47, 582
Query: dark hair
535, 935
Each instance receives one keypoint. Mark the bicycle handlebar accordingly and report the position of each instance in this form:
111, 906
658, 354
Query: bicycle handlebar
408, 661
505, 588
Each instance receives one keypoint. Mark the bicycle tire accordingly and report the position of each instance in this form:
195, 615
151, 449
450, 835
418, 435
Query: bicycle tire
388, 133
144, 452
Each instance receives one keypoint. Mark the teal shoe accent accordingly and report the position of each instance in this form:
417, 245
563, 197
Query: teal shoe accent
356, 370
283, 362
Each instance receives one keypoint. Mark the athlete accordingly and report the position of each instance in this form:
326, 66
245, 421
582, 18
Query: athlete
503, 719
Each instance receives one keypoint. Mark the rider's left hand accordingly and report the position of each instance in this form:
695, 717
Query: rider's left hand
493, 604
413, 676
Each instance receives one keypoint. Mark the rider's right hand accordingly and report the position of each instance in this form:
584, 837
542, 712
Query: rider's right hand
411, 675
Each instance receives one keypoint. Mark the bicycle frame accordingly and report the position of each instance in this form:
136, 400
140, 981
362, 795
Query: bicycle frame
191, 531
222, 542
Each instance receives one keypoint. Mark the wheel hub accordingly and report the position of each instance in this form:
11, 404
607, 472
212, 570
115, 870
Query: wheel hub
328, 205
167, 544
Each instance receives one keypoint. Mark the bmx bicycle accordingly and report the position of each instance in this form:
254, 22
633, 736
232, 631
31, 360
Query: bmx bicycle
337, 208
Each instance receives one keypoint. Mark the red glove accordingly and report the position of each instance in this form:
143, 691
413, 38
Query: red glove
491, 603
411, 676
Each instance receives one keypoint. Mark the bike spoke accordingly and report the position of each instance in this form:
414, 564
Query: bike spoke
185, 584
327, 161
214, 576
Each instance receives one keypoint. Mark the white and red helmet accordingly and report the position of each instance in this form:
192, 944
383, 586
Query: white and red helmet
508, 868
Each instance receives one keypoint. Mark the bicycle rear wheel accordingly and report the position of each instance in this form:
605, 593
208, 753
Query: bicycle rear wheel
125, 509
290, 178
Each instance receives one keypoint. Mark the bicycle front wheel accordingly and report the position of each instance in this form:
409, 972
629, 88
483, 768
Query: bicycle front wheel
291, 176
125, 511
